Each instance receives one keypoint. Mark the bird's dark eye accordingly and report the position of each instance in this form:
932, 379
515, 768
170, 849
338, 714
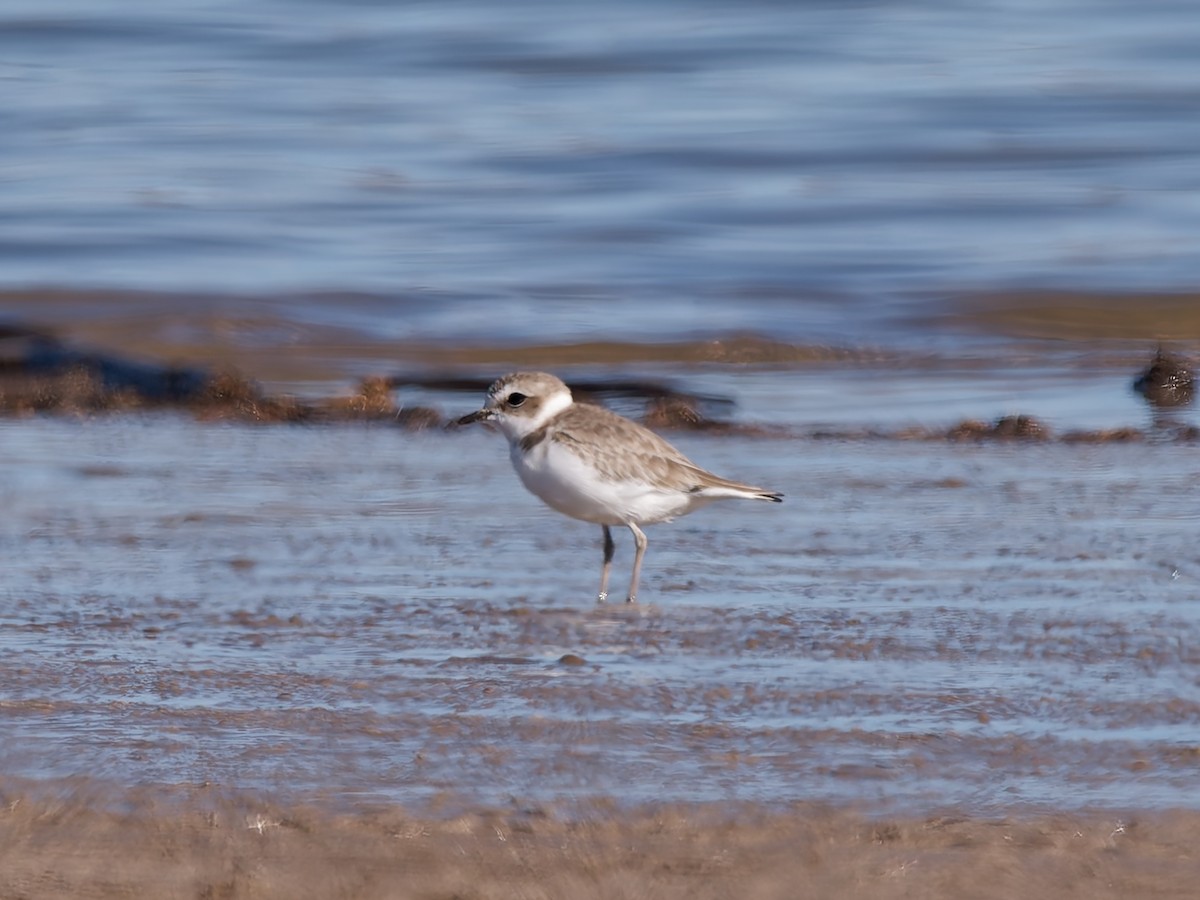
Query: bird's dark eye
516, 398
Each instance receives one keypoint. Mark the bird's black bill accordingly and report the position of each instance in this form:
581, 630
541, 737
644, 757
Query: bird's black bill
480, 415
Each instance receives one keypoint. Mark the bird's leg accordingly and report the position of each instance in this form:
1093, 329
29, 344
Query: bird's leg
640, 540
607, 567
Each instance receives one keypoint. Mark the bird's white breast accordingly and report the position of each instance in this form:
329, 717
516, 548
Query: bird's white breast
565, 482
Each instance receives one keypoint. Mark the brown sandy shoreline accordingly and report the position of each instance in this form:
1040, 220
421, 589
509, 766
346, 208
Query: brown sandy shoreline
157, 845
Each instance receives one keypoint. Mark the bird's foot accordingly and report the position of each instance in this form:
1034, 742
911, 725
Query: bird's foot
602, 596
632, 598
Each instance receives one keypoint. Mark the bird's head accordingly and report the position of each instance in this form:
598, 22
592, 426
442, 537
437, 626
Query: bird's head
522, 402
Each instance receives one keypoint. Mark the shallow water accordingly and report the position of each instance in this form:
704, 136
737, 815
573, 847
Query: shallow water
816, 171
316, 192
356, 612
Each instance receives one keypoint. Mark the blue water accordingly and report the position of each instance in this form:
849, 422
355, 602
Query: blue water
357, 612
817, 170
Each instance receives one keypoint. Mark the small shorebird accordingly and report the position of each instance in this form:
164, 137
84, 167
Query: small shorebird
592, 464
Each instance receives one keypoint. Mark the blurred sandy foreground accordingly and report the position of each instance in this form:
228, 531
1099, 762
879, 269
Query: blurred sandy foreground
79, 844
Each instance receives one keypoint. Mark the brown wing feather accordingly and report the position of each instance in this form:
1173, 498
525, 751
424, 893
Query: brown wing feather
621, 449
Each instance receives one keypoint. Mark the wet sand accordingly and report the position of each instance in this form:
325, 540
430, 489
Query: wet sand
348, 659
201, 846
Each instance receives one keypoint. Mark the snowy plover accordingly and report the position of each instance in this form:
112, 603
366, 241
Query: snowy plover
591, 464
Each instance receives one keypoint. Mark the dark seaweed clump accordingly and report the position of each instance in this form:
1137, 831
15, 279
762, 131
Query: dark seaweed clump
41, 374
1167, 382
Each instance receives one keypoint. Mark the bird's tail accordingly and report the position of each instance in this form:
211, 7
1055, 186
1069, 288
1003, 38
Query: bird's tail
715, 487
